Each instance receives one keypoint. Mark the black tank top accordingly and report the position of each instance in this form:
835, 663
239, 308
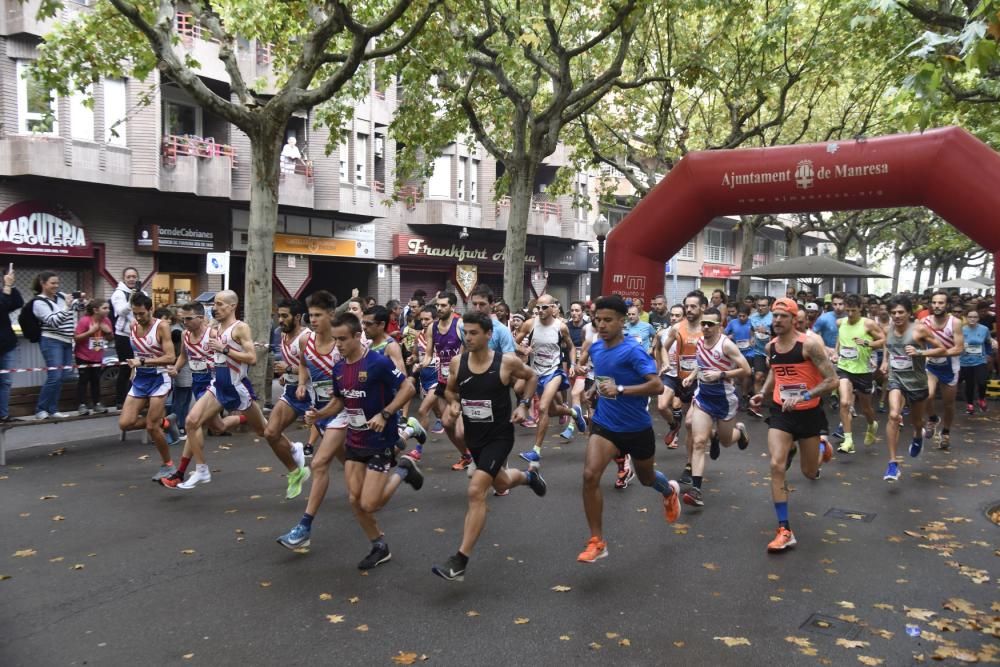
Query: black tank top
575, 333
486, 404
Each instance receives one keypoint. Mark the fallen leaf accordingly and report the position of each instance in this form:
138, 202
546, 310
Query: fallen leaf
439, 530
336, 618
561, 589
4, 577
883, 605
24, 553
188, 552
354, 600
679, 644
188, 656
919, 614
851, 643
642, 509
521, 621
611, 635
48, 497
964, 606
868, 660
404, 658
564, 638
261, 518
799, 641
362, 628
624, 642
58, 517
263, 468
956, 653
594, 646
57, 559
78, 566
58, 452
773, 577
144, 457
472, 613
884, 634
848, 618
845, 604
254, 497
733, 641
325, 596
710, 566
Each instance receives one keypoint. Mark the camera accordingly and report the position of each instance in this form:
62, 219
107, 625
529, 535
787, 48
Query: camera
77, 295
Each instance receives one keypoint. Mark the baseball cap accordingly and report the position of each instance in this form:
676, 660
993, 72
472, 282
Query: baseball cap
786, 305
828, 298
812, 307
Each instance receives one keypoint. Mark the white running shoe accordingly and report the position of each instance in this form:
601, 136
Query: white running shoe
201, 475
299, 454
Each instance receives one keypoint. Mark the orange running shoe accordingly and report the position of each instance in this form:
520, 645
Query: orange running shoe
783, 539
827, 452
672, 503
596, 549
462, 463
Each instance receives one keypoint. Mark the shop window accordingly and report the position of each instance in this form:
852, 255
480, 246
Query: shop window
173, 289
81, 115
35, 104
115, 112
439, 186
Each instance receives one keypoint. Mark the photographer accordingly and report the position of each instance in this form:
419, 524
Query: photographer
121, 305
57, 316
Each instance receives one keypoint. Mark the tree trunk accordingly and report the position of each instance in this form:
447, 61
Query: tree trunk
932, 274
897, 265
522, 180
794, 240
863, 255
749, 230
917, 272
265, 150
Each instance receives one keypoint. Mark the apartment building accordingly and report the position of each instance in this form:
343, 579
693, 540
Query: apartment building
94, 189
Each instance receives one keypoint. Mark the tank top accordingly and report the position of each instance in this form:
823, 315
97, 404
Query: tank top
576, 333
447, 345
853, 358
486, 404
227, 370
320, 368
422, 349
198, 356
545, 350
946, 335
713, 359
292, 355
687, 353
671, 366
147, 346
908, 371
793, 373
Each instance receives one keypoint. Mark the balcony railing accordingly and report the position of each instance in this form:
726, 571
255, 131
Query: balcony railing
302, 168
410, 196
174, 146
537, 206
264, 55
189, 29
717, 254
379, 186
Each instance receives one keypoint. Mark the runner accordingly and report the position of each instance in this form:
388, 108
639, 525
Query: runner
374, 323
800, 374
232, 344
715, 402
642, 332
626, 377
314, 384
427, 375
857, 336
481, 300
153, 350
659, 317
479, 386
371, 390
904, 363
740, 332
943, 370
760, 322
546, 335
290, 407
667, 403
578, 333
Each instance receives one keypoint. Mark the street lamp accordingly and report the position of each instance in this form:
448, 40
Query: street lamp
601, 229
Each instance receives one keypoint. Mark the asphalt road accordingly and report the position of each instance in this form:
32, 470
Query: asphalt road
100, 566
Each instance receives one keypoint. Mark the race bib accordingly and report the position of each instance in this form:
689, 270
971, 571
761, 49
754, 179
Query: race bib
477, 411
790, 391
356, 419
938, 361
198, 365
291, 378
973, 349
323, 389
743, 344
445, 370
901, 362
689, 363
763, 336
98, 343
848, 353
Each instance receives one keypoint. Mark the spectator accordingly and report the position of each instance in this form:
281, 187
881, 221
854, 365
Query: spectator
395, 309
57, 316
93, 334
290, 156
121, 303
502, 311
10, 300
370, 302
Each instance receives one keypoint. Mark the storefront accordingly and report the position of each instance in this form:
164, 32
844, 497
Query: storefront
180, 258
716, 276
566, 267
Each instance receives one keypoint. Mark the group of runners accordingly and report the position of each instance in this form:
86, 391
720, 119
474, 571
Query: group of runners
602, 369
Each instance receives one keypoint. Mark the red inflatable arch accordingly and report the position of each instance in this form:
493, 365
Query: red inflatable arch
947, 170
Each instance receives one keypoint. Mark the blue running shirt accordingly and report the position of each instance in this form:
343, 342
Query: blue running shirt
366, 387
626, 364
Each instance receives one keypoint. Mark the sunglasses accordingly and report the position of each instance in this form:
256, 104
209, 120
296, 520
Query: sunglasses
546, 306
709, 324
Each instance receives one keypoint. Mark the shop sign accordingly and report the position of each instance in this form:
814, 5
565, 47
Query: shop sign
539, 281
466, 277
572, 258
313, 245
37, 228
408, 247
361, 232
716, 271
169, 237
593, 262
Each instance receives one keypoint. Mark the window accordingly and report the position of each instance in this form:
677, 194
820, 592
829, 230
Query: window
35, 105
440, 182
463, 167
780, 249
474, 182
81, 115
115, 112
688, 251
181, 120
717, 246
360, 159
582, 197
342, 153
760, 250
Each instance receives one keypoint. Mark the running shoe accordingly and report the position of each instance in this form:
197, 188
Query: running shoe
529, 423
596, 550
714, 448
563, 420
536, 482
199, 476
170, 429
100, 409
791, 455
171, 481
83, 410
414, 454
838, 432
625, 475
568, 433
308, 450
685, 477
462, 463
471, 468
418, 431
299, 454
437, 428
378, 555
531, 456
970, 409
581, 423
906, 410
945, 443
882, 409
672, 503
826, 452
783, 539
670, 439
744, 440
754, 413
871, 434
892, 472
929, 430
847, 446
414, 477
693, 497
501, 494
164, 471
452, 570
60, 415
296, 538
295, 480
915, 447
982, 405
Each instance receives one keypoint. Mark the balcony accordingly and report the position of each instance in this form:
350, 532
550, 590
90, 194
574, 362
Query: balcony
295, 187
196, 165
44, 155
362, 199
21, 17
543, 219
442, 212
197, 42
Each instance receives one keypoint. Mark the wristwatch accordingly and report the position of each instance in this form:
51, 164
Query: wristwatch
806, 396
226, 350
142, 361
386, 415
621, 389
526, 402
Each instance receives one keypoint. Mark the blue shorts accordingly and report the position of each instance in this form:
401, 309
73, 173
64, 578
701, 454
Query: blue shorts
200, 382
337, 421
428, 379
545, 379
232, 397
670, 381
150, 385
945, 373
721, 405
289, 397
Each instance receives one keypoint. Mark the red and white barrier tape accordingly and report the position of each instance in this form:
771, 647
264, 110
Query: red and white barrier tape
5, 371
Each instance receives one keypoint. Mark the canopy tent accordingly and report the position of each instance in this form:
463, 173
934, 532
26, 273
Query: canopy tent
812, 266
962, 284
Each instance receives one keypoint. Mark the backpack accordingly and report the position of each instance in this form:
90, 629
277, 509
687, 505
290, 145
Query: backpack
31, 328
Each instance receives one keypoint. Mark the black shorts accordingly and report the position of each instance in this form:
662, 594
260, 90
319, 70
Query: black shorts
640, 445
802, 424
684, 394
439, 388
759, 363
862, 383
910, 396
492, 455
378, 460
